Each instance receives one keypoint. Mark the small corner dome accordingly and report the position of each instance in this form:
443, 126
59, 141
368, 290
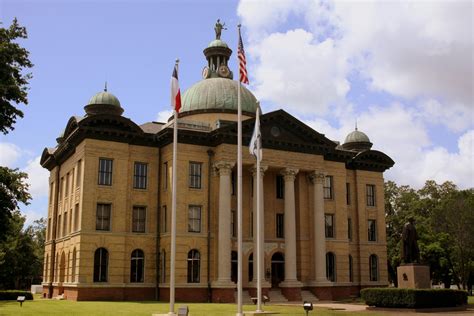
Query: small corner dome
356, 137
104, 103
358, 141
218, 43
104, 97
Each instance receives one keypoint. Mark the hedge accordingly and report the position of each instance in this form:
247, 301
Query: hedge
413, 298
12, 295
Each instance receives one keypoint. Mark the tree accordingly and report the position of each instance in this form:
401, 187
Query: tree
13, 190
14, 59
445, 225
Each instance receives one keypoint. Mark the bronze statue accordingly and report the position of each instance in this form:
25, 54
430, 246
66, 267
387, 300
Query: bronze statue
218, 28
410, 251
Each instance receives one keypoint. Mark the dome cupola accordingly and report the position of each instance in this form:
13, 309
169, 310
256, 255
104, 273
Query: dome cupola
103, 103
217, 92
357, 140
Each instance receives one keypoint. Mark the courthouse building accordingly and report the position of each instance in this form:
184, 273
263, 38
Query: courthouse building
109, 215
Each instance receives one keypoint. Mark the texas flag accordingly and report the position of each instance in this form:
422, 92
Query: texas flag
175, 93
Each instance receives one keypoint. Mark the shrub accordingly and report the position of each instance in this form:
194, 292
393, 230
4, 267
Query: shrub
11, 295
413, 298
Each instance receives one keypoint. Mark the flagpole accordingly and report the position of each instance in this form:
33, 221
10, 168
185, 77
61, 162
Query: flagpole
173, 210
239, 196
259, 219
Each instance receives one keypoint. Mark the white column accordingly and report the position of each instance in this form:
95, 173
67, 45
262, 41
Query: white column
262, 226
224, 169
319, 242
291, 280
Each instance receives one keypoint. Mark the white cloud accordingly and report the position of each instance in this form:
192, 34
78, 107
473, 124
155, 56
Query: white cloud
9, 154
456, 117
163, 116
37, 178
287, 73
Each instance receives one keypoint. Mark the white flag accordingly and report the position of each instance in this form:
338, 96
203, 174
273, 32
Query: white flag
255, 145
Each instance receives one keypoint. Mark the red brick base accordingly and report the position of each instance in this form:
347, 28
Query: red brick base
335, 292
291, 293
195, 295
223, 295
103, 294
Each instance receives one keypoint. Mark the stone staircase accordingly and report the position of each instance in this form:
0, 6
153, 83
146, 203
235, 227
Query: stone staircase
308, 296
276, 296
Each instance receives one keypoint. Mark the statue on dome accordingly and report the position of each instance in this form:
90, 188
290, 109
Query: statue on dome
218, 28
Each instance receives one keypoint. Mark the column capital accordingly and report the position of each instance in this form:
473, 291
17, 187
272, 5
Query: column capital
317, 176
253, 170
289, 174
223, 167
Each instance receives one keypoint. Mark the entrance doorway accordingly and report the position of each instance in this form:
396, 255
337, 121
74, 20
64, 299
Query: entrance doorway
278, 268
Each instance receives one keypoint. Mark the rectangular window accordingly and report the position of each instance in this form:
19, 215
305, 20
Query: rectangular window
233, 223
105, 171
59, 226
329, 225
195, 169
79, 173
138, 219
67, 184
103, 217
165, 175
164, 217
194, 222
251, 224
51, 193
140, 175
372, 230
49, 229
233, 180
76, 217
349, 228
370, 188
280, 187
328, 188
61, 188
280, 225
348, 194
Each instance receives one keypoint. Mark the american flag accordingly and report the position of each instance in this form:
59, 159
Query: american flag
242, 61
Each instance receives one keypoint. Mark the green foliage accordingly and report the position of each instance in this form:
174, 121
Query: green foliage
413, 298
21, 254
12, 295
13, 82
445, 226
13, 190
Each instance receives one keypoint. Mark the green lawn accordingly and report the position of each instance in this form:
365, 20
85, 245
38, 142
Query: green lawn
41, 306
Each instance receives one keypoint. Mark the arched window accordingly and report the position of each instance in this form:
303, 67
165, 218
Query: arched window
251, 267
101, 262
331, 267
351, 269
233, 266
194, 263
46, 264
163, 267
62, 267
374, 268
73, 272
137, 266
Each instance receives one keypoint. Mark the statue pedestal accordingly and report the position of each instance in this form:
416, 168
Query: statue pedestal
413, 276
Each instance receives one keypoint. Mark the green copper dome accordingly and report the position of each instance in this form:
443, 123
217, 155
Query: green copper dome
217, 43
357, 137
104, 97
103, 103
217, 94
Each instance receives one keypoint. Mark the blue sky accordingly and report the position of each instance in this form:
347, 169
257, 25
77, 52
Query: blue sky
403, 70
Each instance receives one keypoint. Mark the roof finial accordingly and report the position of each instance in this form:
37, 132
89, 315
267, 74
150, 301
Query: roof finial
105, 87
356, 124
